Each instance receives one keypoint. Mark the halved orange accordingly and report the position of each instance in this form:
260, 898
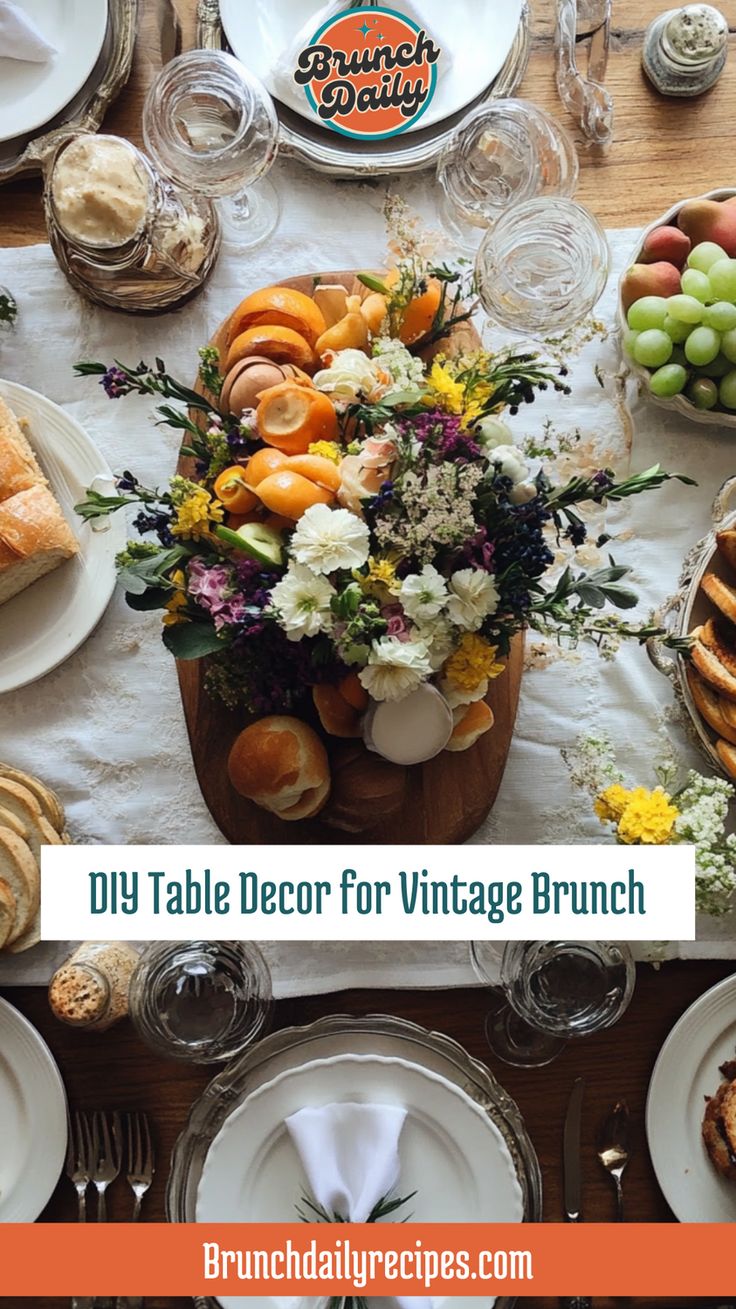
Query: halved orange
274, 341
290, 494
293, 417
262, 464
281, 306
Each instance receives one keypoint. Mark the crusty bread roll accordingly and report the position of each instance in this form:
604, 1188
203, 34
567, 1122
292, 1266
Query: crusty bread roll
470, 725
721, 595
280, 764
35, 538
366, 789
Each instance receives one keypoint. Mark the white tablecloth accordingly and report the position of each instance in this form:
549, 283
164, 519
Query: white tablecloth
107, 730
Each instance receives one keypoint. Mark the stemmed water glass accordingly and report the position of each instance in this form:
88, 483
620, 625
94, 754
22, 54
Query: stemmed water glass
210, 126
502, 154
551, 992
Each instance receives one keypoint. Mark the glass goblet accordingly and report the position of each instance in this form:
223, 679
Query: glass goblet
551, 992
542, 267
211, 127
502, 154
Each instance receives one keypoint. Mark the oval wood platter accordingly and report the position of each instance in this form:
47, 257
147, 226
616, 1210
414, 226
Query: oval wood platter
442, 802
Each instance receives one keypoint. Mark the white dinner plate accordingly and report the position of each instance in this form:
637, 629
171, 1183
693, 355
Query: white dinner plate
47, 622
260, 31
33, 1117
684, 1074
452, 1155
32, 94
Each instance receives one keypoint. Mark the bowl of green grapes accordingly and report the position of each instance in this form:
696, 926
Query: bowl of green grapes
678, 309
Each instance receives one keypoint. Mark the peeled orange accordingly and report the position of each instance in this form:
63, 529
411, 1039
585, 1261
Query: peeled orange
232, 490
290, 494
262, 464
292, 417
281, 344
278, 306
317, 469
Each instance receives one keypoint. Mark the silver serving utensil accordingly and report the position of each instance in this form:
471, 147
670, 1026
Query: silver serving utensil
612, 1148
572, 1174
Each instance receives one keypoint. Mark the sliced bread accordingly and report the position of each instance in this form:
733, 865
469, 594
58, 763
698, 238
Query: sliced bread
720, 638
35, 538
24, 806
726, 542
49, 801
721, 595
19, 869
712, 670
727, 756
7, 912
710, 706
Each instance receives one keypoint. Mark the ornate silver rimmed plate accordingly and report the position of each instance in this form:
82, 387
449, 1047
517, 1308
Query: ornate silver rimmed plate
340, 156
382, 1037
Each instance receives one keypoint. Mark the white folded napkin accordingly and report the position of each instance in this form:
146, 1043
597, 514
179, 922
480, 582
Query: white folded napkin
350, 1154
20, 37
281, 80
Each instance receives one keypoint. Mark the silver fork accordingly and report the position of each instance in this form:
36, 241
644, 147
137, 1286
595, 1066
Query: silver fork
79, 1165
141, 1167
107, 1139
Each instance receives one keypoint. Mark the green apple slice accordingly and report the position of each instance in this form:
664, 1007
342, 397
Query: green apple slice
255, 539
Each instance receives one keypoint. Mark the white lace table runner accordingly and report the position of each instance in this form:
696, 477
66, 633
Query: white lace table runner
107, 730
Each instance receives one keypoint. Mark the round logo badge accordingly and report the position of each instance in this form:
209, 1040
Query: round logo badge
369, 72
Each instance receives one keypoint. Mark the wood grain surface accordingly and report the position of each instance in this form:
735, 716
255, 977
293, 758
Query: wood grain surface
113, 1071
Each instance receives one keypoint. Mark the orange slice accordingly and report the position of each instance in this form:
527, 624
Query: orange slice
262, 464
292, 417
280, 306
280, 344
290, 495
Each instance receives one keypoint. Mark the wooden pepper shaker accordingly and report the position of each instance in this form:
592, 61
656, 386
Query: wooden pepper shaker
90, 989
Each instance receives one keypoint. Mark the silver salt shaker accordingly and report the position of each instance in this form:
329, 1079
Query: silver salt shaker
685, 50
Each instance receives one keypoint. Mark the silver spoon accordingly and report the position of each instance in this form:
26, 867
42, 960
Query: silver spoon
612, 1147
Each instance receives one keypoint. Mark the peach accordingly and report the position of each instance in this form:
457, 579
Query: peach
666, 245
649, 279
709, 220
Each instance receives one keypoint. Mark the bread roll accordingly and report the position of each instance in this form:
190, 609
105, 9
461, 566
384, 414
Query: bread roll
366, 790
35, 538
281, 765
473, 723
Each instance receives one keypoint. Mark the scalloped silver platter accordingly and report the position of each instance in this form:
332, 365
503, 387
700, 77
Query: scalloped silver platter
381, 1035
26, 155
338, 156
679, 404
42, 626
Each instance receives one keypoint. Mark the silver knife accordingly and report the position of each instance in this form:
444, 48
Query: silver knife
572, 1175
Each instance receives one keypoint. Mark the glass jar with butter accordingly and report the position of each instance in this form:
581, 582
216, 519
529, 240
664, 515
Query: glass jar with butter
123, 235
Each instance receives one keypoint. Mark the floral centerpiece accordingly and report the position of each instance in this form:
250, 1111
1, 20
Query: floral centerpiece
369, 532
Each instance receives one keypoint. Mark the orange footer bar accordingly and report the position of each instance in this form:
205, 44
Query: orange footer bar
389, 1259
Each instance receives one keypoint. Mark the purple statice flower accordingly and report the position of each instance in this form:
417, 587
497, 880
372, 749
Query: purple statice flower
442, 435
114, 382
396, 619
479, 552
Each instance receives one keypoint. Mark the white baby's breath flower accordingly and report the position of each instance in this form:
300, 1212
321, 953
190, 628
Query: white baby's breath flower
405, 370
473, 596
350, 377
302, 601
423, 595
395, 668
327, 539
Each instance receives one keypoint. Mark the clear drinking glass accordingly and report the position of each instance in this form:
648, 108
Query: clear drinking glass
542, 267
502, 154
211, 127
551, 992
204, 1001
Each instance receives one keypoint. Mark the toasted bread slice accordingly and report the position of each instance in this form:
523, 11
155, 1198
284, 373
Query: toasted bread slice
19, 869
720, 638
712, 670
726, 542
721, 595
7, 912
709, 705
11, 820
48, 799
727, 755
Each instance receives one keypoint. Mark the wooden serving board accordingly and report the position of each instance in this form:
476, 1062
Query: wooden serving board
442, 802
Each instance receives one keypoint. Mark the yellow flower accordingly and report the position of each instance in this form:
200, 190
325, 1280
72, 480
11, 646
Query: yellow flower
444, 389
648, 818
196, 513
611, 803
381, 573
178, 600
327, 450
473, 663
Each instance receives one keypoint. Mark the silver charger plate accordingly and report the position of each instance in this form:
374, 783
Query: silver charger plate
26, 155
338, 156
381, 1034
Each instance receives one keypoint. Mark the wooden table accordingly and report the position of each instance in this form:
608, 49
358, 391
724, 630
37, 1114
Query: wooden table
114, 1071
662, 150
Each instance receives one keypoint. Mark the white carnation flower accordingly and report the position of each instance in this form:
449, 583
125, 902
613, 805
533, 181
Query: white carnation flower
327, 539
523, 492
491, 432
509, 462
302, 600
395, 668
350, 376
439, 636
473, 596
423, 595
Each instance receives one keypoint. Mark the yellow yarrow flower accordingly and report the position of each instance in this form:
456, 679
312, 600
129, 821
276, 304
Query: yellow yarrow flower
327, 450
196, 513
178, 600
648, 819
473, 663
611, 803
444, 389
